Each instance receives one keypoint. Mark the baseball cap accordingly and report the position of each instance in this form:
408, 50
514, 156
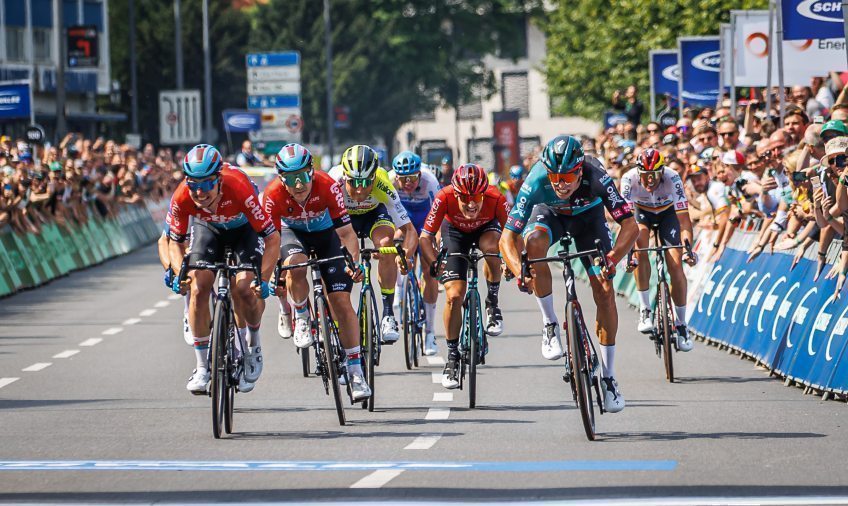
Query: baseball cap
733, 157
669, 139
54, 166
835, 125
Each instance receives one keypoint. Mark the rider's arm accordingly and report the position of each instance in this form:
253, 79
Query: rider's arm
410, 241
685, 227
164, 250
628, 232
428, 247
511, 244
348, 238
270, 255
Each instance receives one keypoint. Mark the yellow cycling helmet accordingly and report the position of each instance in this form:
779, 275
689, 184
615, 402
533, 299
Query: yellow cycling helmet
360, 162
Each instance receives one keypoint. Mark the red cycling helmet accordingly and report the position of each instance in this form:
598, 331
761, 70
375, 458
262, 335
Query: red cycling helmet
469, 179
650, 160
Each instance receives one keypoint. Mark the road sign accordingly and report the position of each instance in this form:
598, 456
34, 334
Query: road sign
180, 117
342, 113
294, 124
273, 87
278, 59
276, 118
275, 134
83, 48
272, 101
255, 74
35, 134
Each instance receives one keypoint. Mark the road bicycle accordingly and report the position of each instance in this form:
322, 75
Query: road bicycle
413, 319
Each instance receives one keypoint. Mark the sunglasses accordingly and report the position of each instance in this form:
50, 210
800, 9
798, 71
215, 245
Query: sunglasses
207, 185
467, 199
725, 134
361, 182
829, 136
568, 178
653, 131
412, 178
706, 138
840, 161
298, 177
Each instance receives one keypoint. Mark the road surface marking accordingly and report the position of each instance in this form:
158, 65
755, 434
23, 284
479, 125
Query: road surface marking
174, 296
435, 360
37, 367
378, 478
442, 396
112, 331
162, 303
66, 354
131, 321
437, 414
437, 377
147, 312
91, 342
7, 381
423, 442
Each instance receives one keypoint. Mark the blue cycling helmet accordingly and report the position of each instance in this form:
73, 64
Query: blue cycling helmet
516, 172
292, 158
407, 163
202, 161
563, 154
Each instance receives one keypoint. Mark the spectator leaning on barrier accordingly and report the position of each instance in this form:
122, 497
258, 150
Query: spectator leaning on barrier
837, 160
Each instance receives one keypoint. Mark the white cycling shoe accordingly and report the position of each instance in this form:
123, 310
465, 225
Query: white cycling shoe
646, 321
430, 346
302, 333
253, 364
244, 385
359, 389
494, 321
613, 400
199, 381
284, 325
684, 342
551, 345
450, 376
389, 330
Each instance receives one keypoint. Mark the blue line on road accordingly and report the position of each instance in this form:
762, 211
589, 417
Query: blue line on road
306, 465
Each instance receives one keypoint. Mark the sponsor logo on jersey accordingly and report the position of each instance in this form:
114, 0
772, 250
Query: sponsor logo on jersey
614, 198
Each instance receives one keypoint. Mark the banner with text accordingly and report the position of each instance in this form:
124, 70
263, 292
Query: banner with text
812, 19
700, 65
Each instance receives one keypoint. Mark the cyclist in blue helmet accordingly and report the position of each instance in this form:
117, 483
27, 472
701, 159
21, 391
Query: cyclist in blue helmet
567, 192
516, 179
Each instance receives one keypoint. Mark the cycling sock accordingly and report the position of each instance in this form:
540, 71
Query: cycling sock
301, 309
201, 352
186, 300
253, 336
644, 299
284, 307
680, 312
242, 332
354, 359
492, 297
546, 304
453, 349
388, 297
607, 361
429, 316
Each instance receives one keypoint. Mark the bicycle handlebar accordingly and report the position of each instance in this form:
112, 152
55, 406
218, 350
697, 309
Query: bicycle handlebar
397, 249
563, 256
217, 266
658, 249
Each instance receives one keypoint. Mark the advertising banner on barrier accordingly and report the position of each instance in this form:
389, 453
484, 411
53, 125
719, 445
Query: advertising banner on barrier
803, 59
700, 65
812, 19
665, 71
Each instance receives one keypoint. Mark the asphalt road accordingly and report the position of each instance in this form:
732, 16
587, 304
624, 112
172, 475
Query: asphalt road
98, 411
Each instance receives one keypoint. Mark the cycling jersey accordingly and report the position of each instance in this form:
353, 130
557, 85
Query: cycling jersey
717, 197
238, 205
667, 194
446, 206
324, 209
417, 202
596, 187
382, 192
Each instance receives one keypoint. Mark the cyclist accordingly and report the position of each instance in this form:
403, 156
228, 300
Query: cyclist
417, 187
501, 185
656, 191
307, 207
475, 214
226, 212
563, 193
516, 179
375, 210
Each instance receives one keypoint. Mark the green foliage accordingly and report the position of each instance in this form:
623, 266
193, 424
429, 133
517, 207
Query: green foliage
597, 46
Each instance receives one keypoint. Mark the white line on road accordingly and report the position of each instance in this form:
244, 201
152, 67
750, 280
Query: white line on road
437, 414
91, 342
437, 377
7, 381
423, 442
377, 479
131, 321
147, 312
162, 303
37, 366
66, 354
435, 360
174, 296
112, 331
442, 396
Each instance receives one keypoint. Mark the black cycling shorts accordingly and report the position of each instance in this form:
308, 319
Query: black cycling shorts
207, 244
325, 244
665, 222
584, 229
456, 241
364, 224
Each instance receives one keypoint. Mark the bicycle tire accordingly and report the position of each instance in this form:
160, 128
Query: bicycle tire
304, 360
230, 387
665, 332
473, 316
418, 325
372, 355
219, 372
332, 361
406, 311
581, 367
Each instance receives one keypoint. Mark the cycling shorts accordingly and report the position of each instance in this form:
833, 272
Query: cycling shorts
584, 229
364, 224
325, 244
207, 244
456, 241
665, 222
418, 218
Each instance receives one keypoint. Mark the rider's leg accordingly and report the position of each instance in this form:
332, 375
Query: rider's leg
297, 286
346, 317
607, 321
674, 261
387, 272
430, 296
537, 243
454, 295
489, 244
643, 271
249, 306
199, 317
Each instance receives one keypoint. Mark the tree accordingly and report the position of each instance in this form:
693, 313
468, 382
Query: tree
595, 47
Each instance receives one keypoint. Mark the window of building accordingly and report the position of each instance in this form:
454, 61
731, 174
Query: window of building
515, 92
15, 49
514, 42
481, 152
471, 108
42, 44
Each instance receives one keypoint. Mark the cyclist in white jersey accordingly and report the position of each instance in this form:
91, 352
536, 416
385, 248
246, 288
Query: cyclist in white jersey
656, 193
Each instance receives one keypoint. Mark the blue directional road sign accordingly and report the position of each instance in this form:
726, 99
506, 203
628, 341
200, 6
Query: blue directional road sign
272, 101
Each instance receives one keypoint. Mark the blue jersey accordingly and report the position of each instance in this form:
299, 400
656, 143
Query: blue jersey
596, 188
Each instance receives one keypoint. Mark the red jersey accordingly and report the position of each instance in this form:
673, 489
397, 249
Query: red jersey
238, 206
445, 206
322, 210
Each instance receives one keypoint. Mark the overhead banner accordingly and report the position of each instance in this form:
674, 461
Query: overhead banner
700, 65
665, 71
14, 101
812, 19
802, 59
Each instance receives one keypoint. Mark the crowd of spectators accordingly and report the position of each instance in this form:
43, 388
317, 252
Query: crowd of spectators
79, 176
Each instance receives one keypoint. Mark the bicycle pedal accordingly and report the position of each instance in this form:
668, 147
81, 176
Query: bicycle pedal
566, 378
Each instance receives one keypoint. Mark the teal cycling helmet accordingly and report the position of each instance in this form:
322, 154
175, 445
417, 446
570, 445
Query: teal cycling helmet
202, 161
563, 154
407, 163
292, 158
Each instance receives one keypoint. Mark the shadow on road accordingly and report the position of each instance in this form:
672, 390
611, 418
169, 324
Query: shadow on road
722, 379
633, 437
327, 435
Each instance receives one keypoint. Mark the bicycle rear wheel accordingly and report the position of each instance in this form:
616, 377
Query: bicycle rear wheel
408, 318
219, 368
665, 330
474, 342
582, 369
330, 349
304, 360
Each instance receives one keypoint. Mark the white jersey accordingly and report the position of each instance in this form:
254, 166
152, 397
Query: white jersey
717, 197
421, 198
669, 192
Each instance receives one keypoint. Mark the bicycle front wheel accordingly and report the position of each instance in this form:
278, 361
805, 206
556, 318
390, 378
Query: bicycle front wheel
231, 382
408, 319
666, 319
331, 355
219, 368
581, 367
475, 348
371, 351
304, 360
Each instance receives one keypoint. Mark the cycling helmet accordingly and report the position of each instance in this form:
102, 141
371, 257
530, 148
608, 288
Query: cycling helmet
516, 172
563, 154
407, 163
360, 162
202, 161
292, 158
650, 160
469, 179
